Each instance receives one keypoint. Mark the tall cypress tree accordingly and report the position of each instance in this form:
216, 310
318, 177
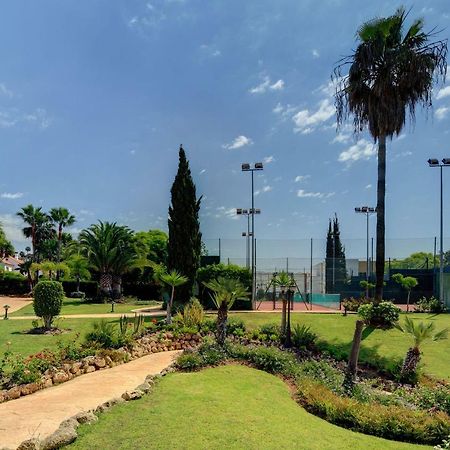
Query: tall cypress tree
185, 239
334, 250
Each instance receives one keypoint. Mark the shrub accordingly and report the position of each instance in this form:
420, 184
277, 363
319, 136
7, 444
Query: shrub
272, 360
189, 361
322, 372
47, 301
303, 337
269, 332
192, 315
19, 370
352, 304
431, 305
389, 422
381, 315
208, 326
77, 294
236, 327
212, 353
105, 335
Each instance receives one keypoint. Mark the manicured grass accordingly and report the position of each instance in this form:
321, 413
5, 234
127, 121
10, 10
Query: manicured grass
26, 344
378, 346
77, 306
229, 407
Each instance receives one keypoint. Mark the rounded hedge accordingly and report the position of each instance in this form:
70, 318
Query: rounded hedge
47, 300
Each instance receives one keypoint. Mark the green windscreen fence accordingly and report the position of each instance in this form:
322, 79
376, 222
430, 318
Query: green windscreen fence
326, 300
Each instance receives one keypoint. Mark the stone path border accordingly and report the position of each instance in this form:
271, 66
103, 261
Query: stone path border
40, 416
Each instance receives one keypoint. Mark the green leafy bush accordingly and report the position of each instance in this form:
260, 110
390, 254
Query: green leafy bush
47, 300
106, 335
389, 422
236, 327
303, 337
269, 332
189, 361
381, 315
431, 305
192, 315
352, 304
272, 360
323, 372
208, 326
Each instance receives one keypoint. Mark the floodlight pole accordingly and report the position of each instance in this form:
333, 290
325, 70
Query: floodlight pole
367, 210
432, 162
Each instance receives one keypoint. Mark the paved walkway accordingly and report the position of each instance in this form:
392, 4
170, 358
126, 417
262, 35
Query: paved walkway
39, 414
15, 303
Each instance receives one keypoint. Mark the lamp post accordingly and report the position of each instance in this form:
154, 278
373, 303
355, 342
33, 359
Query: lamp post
433, 162
367, 210
247, 168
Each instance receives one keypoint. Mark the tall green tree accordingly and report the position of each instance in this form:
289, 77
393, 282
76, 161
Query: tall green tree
390, 73
335, 265
185, 238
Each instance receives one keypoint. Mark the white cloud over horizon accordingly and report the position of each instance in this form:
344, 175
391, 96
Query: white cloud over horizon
304, 194
307, 121
11, 195
442, 112
267, 85
362, 150
238, 142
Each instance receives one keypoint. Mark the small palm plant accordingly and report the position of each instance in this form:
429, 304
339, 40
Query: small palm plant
225, 292
420, 333
285, 282
173, 279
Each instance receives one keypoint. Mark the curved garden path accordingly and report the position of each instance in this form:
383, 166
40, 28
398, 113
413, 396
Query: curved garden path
15, 303
40, 414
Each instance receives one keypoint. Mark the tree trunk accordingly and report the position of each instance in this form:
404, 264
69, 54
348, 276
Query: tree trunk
58, 255
222, 317
411, 361
78, 283
283, 318
47, 322
105, 284
287, 341
116, 287
354, 352
381, 194
407, 301
169, 307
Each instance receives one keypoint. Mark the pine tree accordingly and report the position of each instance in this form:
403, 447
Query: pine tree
184, 247
334, 250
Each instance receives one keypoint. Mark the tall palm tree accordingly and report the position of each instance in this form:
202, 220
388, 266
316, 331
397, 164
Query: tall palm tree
390, 73
62, 218
39, 228
173, 279
225, 292
420, 333
102, 245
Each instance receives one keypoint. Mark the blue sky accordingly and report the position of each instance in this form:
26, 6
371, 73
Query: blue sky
96, 97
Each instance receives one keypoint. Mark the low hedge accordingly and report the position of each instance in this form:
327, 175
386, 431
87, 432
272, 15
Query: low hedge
389, 422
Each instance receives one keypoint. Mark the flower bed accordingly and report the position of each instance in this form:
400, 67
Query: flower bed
57, 372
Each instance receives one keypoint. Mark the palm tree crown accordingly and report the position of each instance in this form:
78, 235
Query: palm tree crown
422, 331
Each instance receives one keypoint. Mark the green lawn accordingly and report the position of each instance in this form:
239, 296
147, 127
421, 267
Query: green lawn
27, 344
76, 306
228, 407
377, 346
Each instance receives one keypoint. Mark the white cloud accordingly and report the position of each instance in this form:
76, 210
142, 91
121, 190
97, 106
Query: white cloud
229, 213
240, 141
5, 91
266, 188
304, 194
268, 159
315, 53
266, 85
441, 113
12, 226
444, 92
301, 178
307, 121
363, 149
210, 50
202, 171
369, 186
11, 196
38, 117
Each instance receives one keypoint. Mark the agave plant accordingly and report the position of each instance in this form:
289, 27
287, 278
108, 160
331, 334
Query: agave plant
225, 292
420, 333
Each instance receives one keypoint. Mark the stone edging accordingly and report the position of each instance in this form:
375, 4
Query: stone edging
67, 430
153, 343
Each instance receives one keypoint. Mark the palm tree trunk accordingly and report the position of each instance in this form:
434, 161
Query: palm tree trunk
169, 306
222, 318
411, 361
58, 255
283, 318
381, 194
116, 286
78, 283
105, 284
354, 352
